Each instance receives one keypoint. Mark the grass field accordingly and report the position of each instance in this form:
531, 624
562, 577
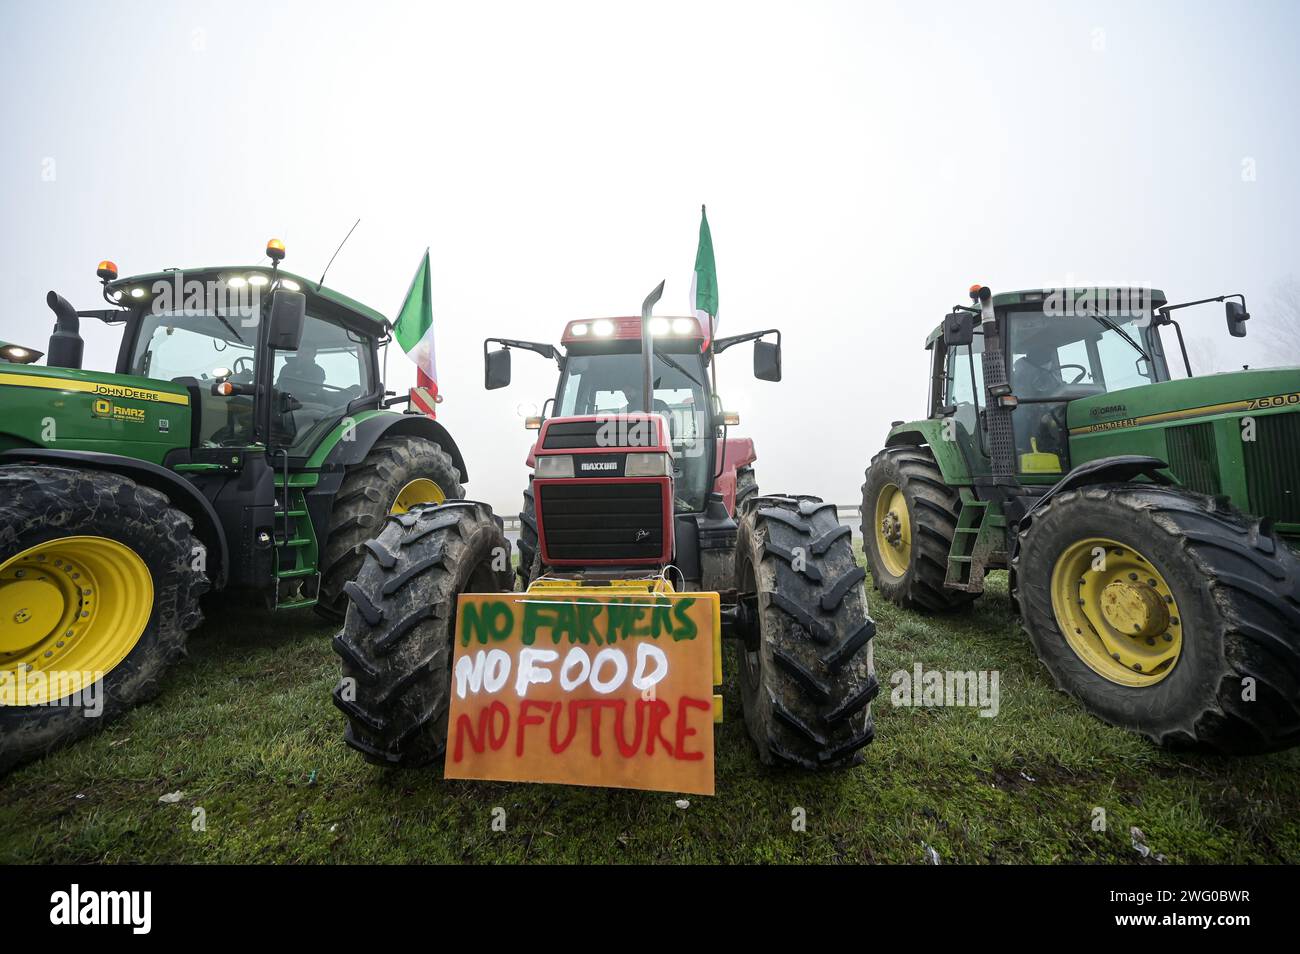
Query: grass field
246, 731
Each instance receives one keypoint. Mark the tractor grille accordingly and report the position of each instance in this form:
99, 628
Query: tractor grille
591, 522
567, 435
1272, 465
1192, 457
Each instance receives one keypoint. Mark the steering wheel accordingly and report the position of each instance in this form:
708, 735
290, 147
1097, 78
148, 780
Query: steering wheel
243, 366
1083, 372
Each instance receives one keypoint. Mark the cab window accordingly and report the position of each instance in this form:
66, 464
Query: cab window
197, 350
315, 384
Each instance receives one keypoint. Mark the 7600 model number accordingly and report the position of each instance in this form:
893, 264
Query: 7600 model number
1276, 400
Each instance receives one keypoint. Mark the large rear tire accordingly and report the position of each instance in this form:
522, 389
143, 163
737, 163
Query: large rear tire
806, 671
909, 519
1167, 613
397, 474
99, 586
396, 642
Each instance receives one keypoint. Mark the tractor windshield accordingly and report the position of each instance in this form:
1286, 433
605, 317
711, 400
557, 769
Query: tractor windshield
1056, 359
1075, 356
611, 384
199, 349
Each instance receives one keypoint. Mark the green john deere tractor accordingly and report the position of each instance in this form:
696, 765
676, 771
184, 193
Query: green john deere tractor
1150, 525
244, 441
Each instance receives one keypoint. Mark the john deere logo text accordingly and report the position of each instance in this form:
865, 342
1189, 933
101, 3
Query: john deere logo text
107, 409
121, 390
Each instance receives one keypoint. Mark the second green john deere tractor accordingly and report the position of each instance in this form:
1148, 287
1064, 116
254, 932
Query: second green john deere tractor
1149, 525
245, 440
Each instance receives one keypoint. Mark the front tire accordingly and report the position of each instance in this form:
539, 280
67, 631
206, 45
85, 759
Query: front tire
746, 486
1166, 613
909, 520
397, 474
527, 538
103, 573
806, 670
396, 642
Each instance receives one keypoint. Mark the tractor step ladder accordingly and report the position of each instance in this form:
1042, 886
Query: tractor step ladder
963, 571
297, 577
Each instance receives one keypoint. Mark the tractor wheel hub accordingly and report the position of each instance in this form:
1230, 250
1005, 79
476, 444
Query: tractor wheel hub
891, 528
1134, 609
29, 610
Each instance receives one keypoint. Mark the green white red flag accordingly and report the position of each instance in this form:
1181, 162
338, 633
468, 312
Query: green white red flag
414, 328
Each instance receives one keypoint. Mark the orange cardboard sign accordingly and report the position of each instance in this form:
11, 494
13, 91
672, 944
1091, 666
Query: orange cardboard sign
566, 685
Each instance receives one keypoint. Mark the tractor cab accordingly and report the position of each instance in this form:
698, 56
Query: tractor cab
1054, 348
282, 383
634, 462
601, 377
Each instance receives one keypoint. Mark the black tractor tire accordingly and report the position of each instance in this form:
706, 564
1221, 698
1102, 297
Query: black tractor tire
746, 486
39, 504
365, 498
932, 508
1237, 589
396, 642
527, 538
806, 676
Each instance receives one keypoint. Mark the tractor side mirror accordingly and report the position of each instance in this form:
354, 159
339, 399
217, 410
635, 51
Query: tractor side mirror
1237, 317
767, 361
288, 312
496, 369
958, 329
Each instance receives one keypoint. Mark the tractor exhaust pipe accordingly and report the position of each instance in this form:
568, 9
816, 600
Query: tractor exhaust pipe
65, 343
648, 348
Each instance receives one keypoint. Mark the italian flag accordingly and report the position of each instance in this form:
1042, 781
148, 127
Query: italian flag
704, 284
414, 329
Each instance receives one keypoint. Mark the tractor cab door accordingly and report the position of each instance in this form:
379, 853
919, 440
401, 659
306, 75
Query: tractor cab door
1056, 359
313, 388
961, 397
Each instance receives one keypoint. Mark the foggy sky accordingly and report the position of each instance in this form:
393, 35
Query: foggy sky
863, 163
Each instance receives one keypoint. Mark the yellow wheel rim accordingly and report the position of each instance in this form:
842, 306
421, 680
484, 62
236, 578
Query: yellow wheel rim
71, 610
893, 530
422, 490
1116, 612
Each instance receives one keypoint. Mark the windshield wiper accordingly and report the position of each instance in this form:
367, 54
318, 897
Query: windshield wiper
673, 364
1106, 321
221, 318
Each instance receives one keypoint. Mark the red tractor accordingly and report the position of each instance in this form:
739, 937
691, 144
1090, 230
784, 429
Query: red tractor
636, 484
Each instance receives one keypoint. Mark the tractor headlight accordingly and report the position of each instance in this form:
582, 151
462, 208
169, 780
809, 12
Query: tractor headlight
557, 465
603, 328
683, 326
659, 326
578, 330
648, 465
17, 354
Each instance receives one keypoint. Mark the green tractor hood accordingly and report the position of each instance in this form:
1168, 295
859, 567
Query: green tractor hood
1208, 397
71, 409
1235, 434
